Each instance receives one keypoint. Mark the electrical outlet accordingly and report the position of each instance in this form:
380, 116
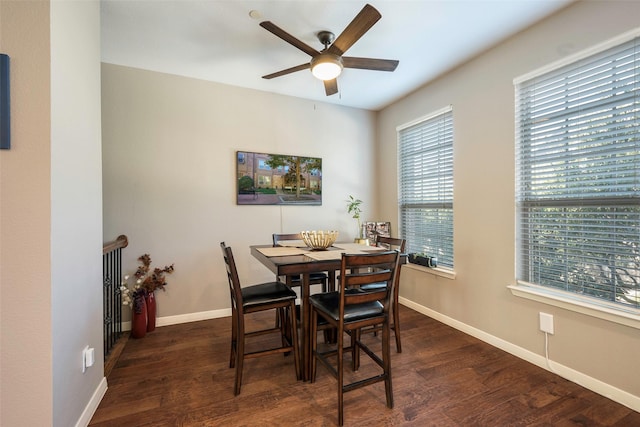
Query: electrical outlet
88, 358
546, 322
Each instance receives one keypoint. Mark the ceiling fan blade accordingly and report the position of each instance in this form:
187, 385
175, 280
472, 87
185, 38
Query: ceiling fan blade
274, 29
331, 87
356, 29
370, 63
287, 71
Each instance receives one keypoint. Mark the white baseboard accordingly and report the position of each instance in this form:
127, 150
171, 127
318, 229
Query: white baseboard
185, 318
624, 398
90, 409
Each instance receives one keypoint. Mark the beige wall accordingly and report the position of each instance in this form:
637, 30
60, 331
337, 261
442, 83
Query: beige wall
482, 95
25, 258
51, 215
169, 152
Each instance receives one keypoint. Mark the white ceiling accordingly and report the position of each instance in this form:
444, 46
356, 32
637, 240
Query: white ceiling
217, 40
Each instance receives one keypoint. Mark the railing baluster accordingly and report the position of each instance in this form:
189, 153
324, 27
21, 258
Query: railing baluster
112, 296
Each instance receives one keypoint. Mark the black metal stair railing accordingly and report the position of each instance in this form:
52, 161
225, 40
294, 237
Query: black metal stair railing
112, 296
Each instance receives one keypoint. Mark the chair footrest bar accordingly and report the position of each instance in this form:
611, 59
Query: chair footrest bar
262, 332
371, 354
332, 370
363, 383
269, 351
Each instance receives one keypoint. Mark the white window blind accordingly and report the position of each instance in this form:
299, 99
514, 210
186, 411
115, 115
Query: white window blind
425, 156
578, 176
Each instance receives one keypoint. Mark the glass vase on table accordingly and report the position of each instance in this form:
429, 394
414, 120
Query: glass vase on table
362, 235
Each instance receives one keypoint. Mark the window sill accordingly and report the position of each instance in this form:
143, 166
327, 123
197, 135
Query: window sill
579, 304
438, 271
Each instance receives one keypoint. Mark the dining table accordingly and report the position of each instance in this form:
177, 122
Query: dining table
295, 258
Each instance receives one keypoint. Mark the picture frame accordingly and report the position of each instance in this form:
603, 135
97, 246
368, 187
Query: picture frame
5, 103
377, 228
278, 179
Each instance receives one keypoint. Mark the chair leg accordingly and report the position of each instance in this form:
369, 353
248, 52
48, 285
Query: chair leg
386, 363
239, 358
396, 326
314, 342
234, 339
340, 341
355, 349
283, 325
293, 333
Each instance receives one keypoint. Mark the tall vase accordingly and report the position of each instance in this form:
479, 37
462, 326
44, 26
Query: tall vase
362, 235
150, 300
139, 317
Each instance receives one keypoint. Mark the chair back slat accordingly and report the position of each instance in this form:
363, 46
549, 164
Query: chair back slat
280, 237
358, 270
232, 276
391, 243
367, 277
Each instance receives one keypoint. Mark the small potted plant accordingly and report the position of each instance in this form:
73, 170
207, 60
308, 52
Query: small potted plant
353, 208
423, 259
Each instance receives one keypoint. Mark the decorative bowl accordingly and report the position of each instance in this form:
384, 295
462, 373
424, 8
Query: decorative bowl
319, 240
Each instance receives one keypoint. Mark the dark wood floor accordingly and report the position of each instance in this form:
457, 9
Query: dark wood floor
179, 376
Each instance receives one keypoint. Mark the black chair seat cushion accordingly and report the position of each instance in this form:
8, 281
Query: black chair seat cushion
329, 303
266, 293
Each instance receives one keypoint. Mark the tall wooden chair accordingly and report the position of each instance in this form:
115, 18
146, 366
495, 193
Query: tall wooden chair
352, 308
399, 245
251, 299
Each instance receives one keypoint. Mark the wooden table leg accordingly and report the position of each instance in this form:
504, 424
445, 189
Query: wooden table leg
306, 328
332, 281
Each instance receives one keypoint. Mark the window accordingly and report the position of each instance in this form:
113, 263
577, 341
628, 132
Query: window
262, 164
425, 156
578, 176
264, 181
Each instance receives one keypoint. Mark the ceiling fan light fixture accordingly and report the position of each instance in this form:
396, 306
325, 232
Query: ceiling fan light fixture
326, 66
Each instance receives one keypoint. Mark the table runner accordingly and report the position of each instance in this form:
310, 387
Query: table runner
356, 248
325, 255
282, 251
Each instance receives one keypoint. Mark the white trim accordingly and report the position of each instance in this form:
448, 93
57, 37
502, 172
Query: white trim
193, 317
186, 318
92, 405
424, 118
438, 271
622, 38
624, 398
577, 303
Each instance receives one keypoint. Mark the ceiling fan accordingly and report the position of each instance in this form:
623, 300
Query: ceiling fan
328, 63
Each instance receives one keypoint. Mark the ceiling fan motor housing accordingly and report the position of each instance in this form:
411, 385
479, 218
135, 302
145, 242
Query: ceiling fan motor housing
326, 38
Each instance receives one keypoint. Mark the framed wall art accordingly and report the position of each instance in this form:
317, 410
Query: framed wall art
278, 179
375, 229
5, 104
